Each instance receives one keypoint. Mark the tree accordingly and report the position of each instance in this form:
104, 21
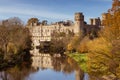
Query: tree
115, 6
14, 39
75, 42
104, 57
13, 21
3, 38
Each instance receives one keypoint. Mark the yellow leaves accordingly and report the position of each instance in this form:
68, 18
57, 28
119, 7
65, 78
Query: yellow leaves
118, 71
73, 43
115, 5
78, 44
101, 60
83, 48
99, 56
104, 52
11, 48
112, 27
99, 45
70, 47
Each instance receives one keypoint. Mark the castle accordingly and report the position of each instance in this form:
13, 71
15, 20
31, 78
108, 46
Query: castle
42, 33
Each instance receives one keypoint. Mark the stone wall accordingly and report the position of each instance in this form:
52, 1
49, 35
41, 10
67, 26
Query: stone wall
42, 33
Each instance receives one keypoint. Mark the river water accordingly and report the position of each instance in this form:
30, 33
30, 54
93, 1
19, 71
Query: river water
46, 67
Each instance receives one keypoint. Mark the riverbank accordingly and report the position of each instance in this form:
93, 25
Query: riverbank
80, 58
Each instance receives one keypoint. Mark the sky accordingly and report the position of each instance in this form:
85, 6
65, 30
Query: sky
52, 10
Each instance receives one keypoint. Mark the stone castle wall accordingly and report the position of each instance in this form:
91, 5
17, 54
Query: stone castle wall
44, 32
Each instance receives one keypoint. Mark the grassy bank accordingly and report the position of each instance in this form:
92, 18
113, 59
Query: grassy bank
81, 59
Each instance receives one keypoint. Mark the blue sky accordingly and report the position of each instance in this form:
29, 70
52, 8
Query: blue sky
52, 10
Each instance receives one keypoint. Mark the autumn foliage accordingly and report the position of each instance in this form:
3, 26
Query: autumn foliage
104, 52
14, 39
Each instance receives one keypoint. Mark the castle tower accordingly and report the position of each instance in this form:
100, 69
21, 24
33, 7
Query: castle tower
79, 22
95, 21
91, 21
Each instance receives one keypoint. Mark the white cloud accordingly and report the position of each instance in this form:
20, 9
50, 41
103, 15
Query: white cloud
23, 9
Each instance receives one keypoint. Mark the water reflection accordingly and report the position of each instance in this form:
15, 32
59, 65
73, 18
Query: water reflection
57, 64
15, 73
45, 67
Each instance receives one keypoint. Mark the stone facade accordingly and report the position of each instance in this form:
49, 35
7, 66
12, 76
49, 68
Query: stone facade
44, 32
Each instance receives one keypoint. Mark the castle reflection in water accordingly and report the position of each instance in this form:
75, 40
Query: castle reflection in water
57, 63
45, 67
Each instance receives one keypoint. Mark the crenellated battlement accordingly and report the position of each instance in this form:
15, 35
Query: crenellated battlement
44, 32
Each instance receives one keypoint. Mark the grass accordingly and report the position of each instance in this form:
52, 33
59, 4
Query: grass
81, 59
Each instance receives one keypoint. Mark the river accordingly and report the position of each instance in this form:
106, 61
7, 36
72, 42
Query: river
46, 67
